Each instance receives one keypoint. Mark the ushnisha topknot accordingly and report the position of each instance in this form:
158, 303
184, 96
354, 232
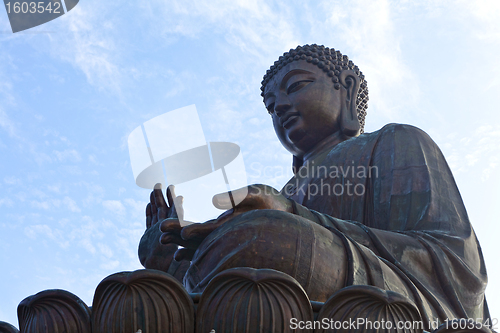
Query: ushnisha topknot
332, 62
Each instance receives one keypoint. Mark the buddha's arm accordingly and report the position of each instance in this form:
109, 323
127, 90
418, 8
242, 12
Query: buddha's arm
414, 219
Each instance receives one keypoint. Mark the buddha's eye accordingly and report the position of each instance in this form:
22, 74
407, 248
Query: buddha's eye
270, 108
297, 86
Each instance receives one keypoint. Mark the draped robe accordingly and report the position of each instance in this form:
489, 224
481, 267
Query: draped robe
390, 197
411, 215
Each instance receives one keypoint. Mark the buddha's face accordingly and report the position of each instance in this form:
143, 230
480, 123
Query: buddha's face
304, 105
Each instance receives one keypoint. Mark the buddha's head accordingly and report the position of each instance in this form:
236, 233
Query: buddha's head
314, 92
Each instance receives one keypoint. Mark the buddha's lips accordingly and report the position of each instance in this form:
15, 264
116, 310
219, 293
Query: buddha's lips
289, 119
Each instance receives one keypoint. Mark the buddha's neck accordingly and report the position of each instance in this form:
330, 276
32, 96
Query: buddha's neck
325, 145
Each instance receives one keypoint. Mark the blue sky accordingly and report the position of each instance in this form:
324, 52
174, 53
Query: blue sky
73, 89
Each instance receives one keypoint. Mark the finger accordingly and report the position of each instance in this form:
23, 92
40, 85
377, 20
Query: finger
149, 216
178, 208
232, 213
171, 195
240, 197
227, 213
171, 237
197, 231
175, 238
152, 202
158, 197
160, 203
227, 200
184, 254
170, 225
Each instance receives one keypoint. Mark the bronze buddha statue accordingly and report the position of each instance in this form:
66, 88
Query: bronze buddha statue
379, 209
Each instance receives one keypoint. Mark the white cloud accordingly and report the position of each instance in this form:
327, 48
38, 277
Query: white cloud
486, 14
71, 205
54, 188
114, 206
7, 124
91, 46
12, 180
178, 83
6, 202
105, 250
477, 153
137, 207
253, 27
70, 155
88, 231
93, 159
110, 265
368, 31
95, 193
54, 204
86, 243
6, 99
40, 232
41, 205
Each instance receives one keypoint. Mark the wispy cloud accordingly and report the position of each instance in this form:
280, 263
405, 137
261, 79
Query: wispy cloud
70, 155
110, 265
91, 46
114, 206
71, 205
7, 124
249, 26
368, 31
6, 99
479, 153
6, 202
41, 231
105, 250
485, 14
56, 204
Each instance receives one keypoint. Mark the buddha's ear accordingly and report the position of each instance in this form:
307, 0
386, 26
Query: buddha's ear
349, 123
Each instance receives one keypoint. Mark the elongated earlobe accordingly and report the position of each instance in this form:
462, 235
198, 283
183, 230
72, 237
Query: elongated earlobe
349, 122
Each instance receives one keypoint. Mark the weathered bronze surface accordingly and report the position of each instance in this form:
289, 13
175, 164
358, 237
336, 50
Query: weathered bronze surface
53, 311
145, 300
374, 209
373, 305
246, 299
241, 300
7, 328
370, 227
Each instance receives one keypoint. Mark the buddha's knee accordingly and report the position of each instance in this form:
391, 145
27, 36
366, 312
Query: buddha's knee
261, 237
277, 240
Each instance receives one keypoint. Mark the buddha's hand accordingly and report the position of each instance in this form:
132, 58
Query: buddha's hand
168, 214
249, 198
152, 253
252, 197
157, 209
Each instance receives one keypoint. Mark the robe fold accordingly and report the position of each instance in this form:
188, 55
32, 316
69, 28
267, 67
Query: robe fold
391, 197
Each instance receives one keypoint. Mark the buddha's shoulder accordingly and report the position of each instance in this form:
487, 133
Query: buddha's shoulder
391, 136
393, 131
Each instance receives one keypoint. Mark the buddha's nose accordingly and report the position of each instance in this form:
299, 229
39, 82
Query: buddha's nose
282, 105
